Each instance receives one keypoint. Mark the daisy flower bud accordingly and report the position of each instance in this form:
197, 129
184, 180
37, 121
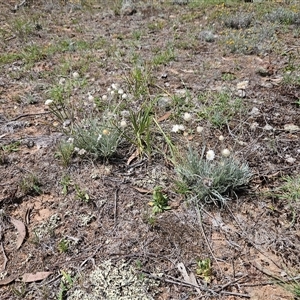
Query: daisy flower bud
177, 128
210, 155
187, 117
91, 97
76, 75
62, 81
123, 124
115, 86
199, 129
48, 102
81, 152
225, 152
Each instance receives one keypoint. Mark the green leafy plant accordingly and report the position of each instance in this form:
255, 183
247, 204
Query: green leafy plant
66, 284
81, 194
283, 16
212, 181
65, 182
204, 269
12, 147
159, 201
60, 103
22, 27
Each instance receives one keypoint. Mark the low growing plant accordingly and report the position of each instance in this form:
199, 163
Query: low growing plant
81, 194
209, 180
204, 269
30, 184
98, 138
159, 201
65, 151
139, 133
290, 192
219, 108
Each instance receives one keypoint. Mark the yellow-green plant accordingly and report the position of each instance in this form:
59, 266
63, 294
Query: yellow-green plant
159, 201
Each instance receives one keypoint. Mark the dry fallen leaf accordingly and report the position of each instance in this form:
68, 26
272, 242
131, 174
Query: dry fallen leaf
141, 190
21, 230
8, 280
134, 155
165, 116
31, 277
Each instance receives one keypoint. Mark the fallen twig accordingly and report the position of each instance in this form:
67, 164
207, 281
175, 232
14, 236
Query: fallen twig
205, 237
28, 115
115, 208
5, 258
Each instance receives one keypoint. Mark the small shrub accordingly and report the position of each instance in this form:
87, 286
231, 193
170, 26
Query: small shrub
30, 185
283, 16
238, 21
212, 181
97, 138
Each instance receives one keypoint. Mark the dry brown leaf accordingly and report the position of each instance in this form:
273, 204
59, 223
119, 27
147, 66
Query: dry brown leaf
8, 280
21, 230
165, 116
141, 190
32, 277
174, 71
134, 155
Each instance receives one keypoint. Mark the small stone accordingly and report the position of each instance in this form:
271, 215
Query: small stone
254, 125
254, 111
66, 123
76, 75
242, 85
268, 127
290, 160
200, 129
291, 127
241, 93
164, 102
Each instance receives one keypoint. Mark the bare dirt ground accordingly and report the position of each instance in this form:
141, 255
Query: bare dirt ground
251, 243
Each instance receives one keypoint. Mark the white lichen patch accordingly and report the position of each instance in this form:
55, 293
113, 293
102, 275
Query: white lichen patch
47, 227
111, 282
85, 219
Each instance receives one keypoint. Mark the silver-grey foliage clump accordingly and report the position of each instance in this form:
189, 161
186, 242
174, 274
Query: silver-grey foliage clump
97, 138
283, 16
115, 282
212, 181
